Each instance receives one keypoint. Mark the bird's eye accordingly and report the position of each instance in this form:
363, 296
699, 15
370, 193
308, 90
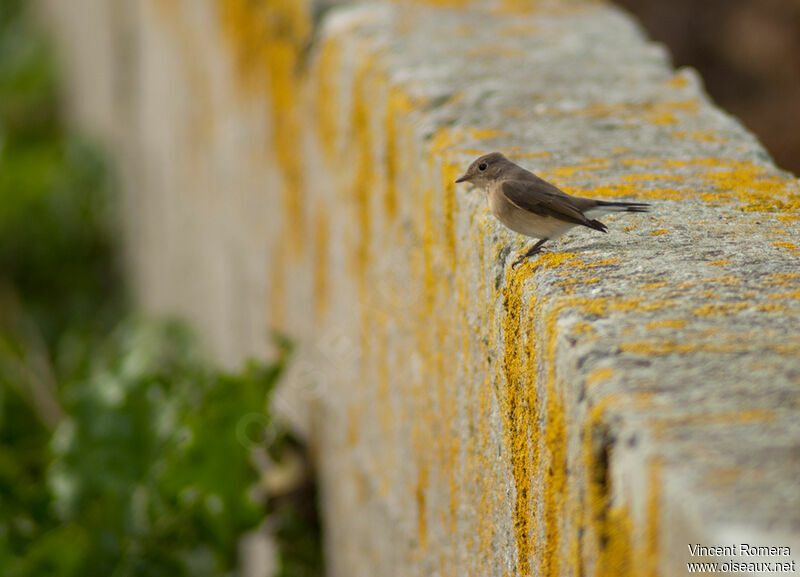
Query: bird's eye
482, 166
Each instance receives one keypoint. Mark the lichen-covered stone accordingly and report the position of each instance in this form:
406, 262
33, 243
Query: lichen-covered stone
591, 412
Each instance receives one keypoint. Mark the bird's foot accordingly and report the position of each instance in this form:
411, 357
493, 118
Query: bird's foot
536, 248
523, 257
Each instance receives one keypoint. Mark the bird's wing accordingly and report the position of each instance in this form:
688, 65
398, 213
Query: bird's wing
542, 198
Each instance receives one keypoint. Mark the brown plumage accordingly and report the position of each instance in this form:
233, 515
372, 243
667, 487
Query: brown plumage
533, 207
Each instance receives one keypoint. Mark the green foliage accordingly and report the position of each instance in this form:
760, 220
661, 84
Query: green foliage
24, 498
150, 474
55, 263
149, 464
54, 214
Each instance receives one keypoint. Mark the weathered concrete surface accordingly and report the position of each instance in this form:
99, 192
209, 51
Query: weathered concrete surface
594, 411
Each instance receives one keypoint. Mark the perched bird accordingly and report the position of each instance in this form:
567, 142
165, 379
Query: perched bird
531, 206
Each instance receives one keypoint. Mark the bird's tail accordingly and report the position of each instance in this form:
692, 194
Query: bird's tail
605, 206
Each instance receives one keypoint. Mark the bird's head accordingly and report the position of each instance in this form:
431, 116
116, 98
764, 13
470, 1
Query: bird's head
485, 169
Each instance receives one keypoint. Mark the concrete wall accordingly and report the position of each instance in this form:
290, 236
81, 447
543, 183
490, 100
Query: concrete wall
591, 412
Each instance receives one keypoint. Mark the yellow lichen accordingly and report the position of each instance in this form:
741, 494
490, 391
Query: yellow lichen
555, 475
701, 135
268, 41
728, 280
659, 112
791, 295
753, 186
771, 308
326, 98
708, 294
576, 281
609, 525
780, 279
667, 347
596, 263
648, 559
648, 178
561, 172
598, 375
362, 186
667, 324
398, 106
520, 407
553, 260
582, 329
449, 173
446, 139
635, 304
757, 187
678, 80
716, 310
515, 153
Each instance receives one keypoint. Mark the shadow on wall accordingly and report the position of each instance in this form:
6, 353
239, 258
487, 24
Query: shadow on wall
748, 54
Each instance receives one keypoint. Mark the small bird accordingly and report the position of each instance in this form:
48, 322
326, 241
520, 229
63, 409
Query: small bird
531, 206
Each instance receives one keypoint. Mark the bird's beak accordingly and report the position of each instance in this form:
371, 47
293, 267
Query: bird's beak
462, 178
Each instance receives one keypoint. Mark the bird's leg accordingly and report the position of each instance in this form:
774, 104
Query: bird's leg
531, 251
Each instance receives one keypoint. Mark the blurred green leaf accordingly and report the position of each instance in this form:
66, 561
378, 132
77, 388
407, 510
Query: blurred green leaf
149, 460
